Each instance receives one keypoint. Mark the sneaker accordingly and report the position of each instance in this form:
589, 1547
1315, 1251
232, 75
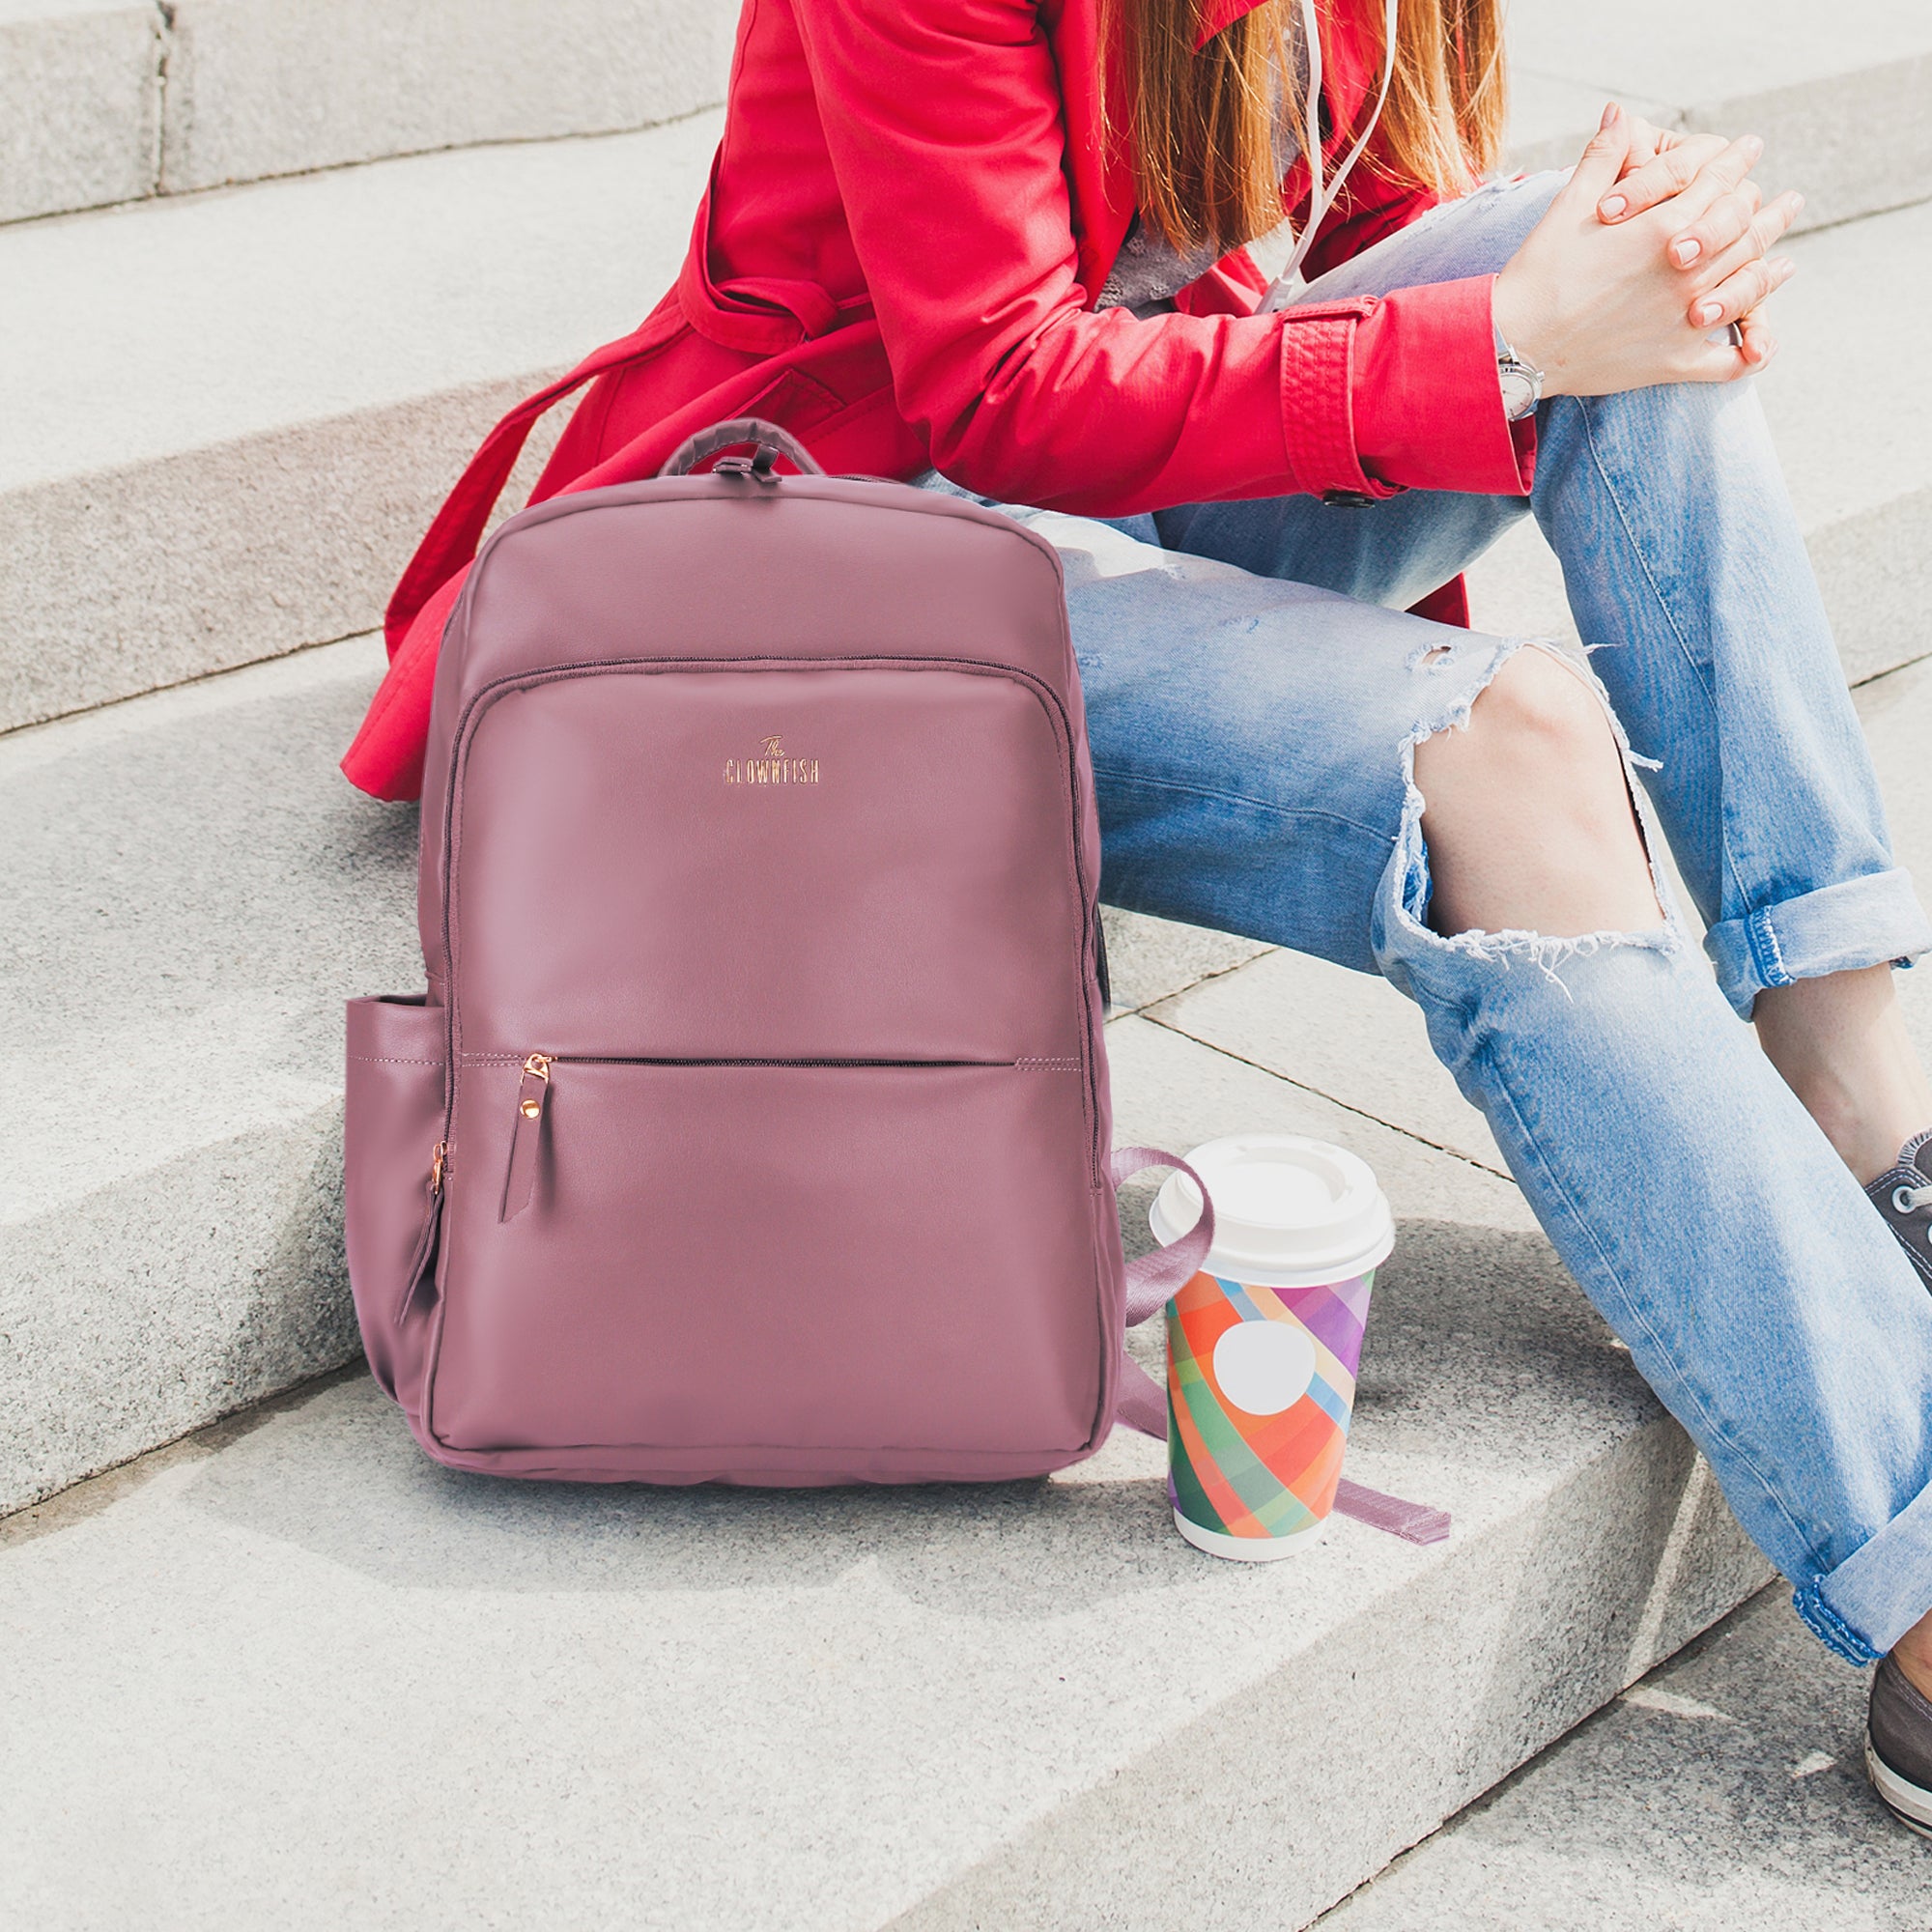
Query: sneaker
1898, 1749
1904, 1197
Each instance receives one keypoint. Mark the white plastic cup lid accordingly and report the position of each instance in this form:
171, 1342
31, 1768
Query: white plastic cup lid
1289, 1212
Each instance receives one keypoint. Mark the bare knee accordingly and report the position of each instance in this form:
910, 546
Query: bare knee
1539, 698
1529, 815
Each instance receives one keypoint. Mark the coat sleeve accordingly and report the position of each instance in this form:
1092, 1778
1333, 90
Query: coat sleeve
1428, 406
944, 124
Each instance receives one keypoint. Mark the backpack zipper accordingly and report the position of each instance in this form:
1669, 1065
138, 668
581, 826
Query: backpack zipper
423, 1257
520, 1181
533, 1093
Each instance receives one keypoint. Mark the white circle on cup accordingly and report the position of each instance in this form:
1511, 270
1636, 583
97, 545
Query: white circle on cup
1264, 1367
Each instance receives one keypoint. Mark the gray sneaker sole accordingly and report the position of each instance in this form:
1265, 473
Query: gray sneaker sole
1910, 1803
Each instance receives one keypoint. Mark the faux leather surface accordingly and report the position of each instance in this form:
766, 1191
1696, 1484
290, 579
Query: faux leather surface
818, 1258
763, 774
724, 568
905, 890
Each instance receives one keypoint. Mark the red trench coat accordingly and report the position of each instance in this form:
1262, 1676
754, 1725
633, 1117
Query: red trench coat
908, 218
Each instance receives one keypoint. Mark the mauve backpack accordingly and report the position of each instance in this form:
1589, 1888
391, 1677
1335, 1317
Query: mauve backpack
754, 1125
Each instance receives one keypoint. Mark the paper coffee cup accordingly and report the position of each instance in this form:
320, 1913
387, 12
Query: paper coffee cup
1262, 1344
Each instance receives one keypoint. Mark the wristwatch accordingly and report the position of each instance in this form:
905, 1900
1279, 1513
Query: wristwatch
1521, 382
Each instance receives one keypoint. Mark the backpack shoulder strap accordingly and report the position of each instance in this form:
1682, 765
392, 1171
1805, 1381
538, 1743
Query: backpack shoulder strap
452, 539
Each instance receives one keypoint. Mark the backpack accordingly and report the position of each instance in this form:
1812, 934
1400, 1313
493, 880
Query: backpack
754, 1125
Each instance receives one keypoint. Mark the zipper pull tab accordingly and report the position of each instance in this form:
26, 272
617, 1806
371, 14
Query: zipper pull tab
520, 1184
424, 1261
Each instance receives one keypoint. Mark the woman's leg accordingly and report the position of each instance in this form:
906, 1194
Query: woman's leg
1678, 543
1254, 741
1680, 551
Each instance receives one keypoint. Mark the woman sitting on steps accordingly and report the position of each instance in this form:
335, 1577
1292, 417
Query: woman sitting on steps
952, 240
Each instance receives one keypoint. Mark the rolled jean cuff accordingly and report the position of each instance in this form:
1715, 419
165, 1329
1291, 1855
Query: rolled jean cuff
1863, 1606
1857, 922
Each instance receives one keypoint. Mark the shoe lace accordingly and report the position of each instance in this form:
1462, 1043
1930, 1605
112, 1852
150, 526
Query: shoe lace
1910, 1200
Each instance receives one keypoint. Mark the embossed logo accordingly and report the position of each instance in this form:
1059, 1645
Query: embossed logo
771, 767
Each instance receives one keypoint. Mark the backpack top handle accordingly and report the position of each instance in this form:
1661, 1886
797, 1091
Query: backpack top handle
770, 441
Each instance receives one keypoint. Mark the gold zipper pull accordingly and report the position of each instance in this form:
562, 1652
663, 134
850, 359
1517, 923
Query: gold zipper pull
422, 1262
519, 1182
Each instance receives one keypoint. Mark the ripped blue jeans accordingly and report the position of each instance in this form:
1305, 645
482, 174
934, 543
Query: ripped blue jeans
1254, 695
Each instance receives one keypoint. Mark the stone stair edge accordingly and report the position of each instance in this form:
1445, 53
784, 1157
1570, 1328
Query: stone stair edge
194, 891
116, 104
110, 104
1378, 1703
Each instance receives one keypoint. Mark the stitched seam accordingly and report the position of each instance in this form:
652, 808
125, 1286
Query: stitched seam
1764, 940
1698, 670
1287, 813
1825, 1624
1035, 1064
391, 1059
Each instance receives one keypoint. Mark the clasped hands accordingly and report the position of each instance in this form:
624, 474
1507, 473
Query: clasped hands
1656, 243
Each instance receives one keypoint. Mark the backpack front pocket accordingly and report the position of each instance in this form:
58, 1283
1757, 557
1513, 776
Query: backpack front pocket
867, 860
723, 1257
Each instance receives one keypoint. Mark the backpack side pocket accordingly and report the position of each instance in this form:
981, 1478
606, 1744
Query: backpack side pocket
393, 1116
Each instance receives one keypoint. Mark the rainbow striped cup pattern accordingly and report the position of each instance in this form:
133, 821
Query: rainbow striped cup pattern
1256, 1428
1264, 1343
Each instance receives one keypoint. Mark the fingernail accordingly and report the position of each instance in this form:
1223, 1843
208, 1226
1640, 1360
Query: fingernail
1610, 112
1709, 312
1753, 146
1611, 206
1797, 202
1685, 250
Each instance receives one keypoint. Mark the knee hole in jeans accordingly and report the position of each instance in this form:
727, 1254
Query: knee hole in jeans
1531, 819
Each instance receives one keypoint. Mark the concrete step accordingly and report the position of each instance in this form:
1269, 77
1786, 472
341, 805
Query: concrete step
1726, 1789
235, 456
295, 1667
1838, 99
103, 102
195, 892
1022, 1707
191, 890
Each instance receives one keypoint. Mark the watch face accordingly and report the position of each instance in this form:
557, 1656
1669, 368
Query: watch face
1518, 392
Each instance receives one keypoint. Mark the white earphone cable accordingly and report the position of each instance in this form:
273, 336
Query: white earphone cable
1321, 199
